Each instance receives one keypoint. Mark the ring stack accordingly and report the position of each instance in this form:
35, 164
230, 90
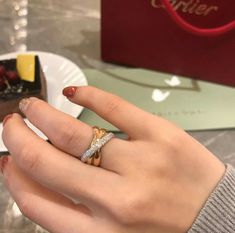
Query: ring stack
93, 155
95, 160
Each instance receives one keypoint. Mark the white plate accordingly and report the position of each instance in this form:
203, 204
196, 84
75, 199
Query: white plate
60, 72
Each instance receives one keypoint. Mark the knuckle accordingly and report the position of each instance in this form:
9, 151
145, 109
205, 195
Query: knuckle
29, 158
67, 135
129, 209
176, 143
173, 142
112, 105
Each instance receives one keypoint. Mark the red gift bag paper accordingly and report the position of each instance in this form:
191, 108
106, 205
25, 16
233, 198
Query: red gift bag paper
194, 38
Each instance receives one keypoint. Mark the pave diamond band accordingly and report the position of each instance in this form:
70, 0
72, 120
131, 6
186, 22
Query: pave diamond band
96, 146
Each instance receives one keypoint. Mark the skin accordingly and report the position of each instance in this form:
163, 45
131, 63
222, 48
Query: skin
156, 181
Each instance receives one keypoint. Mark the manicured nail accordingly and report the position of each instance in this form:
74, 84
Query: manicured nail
24, 104
3, 162
69, 91
6, 118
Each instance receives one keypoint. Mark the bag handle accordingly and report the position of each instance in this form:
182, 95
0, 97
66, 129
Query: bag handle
196, 30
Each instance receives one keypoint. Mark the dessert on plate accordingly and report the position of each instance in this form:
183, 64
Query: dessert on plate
20, 78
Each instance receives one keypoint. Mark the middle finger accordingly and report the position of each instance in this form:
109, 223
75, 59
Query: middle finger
69, 134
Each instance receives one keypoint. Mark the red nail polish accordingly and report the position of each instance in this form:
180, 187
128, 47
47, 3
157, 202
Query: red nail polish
6, 118
3, 162
69, 91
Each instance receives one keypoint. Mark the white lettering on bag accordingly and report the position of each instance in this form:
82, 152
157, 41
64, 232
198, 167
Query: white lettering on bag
191, 6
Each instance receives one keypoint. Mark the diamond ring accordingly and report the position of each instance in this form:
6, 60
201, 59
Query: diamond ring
93, 155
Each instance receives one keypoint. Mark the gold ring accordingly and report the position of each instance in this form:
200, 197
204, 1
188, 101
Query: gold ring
95, 159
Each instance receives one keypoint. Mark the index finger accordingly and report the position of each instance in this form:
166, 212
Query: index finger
122, 114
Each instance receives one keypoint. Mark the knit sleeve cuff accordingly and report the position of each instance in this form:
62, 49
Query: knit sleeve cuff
218, 213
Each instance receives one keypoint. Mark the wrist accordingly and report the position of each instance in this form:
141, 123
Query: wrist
218, 213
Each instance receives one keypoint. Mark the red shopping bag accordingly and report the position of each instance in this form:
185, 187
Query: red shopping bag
194, 38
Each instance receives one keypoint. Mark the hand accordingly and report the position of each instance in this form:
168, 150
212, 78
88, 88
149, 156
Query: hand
156, 181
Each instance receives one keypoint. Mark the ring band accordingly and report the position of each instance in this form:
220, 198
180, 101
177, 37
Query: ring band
95, 160
93, 155
96, 146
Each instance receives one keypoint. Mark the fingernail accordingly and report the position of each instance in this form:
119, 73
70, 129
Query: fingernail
24, 104
69, 91
6, 118
3, 162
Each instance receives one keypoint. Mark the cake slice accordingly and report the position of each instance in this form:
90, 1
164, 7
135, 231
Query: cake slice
20, 78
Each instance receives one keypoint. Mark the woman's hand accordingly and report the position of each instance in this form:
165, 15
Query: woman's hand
156, 181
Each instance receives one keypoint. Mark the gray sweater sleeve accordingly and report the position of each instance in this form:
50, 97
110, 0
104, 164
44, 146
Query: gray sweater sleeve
218, 213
